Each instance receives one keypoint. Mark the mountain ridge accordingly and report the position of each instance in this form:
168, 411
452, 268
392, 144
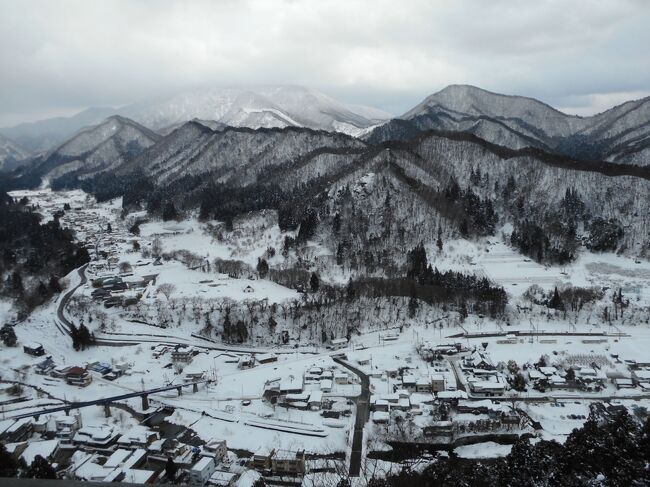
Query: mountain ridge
518, 121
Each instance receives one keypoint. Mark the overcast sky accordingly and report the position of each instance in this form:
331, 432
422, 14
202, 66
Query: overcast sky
58, 57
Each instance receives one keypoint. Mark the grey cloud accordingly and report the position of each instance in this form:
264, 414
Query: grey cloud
59, 56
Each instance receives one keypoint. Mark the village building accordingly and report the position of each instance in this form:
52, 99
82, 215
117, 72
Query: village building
218, 449
182, 355
380, 417
315, 400
266, 358
78, 376
288, 462
202, 470
262, 459
222, 478
98, 437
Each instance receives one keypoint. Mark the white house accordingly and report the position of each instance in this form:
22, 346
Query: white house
202, 471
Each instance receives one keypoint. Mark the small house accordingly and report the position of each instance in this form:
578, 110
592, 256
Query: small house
222, 478
202, 471
78, 376
34, 349
380, 417
315, 400
245, 362
341, 378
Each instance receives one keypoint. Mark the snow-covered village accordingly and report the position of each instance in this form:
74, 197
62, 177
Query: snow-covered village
325, 244
191, 353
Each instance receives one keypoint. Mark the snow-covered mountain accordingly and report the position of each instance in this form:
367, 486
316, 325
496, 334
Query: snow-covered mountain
621, 134
94, 149
253, 107
11, 153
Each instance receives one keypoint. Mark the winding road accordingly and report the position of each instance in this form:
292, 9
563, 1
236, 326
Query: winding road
62, 323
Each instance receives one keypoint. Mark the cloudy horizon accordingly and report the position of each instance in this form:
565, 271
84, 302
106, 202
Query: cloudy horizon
61, 57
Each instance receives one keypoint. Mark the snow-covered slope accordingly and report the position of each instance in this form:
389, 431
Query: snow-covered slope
11, 152
235, 155
257, 111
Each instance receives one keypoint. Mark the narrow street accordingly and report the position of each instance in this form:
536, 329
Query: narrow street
363, 409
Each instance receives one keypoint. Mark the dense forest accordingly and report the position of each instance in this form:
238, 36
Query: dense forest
33, 255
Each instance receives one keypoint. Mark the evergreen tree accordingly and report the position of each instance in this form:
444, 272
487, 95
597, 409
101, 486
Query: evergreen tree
171, 469
74, 334
169, 212
8, 335
416, 262
40, 469
413, 307
227, 327
54, 285
8, 466
556, 301
86, 339
314, 282
262, 267
308, 225
519, 382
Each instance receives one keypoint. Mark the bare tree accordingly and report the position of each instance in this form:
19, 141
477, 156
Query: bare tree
166, 289
156, 247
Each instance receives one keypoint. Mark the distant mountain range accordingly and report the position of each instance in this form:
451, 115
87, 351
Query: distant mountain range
275, 106
11, 153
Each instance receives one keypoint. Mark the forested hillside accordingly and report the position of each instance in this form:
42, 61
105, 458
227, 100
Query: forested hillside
33, 255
